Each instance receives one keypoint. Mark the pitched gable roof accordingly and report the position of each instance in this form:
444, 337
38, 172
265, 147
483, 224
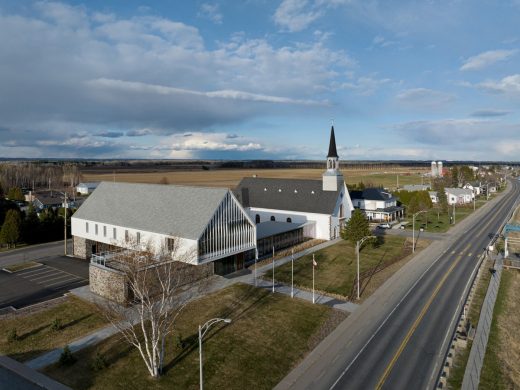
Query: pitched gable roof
286, 194
180, 211
371, 194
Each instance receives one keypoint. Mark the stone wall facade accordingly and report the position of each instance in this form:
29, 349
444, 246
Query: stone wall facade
80, 247
108, 283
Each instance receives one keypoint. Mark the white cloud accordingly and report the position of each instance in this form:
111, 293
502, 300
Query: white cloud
296, 15
486, 59
508, 85
211, 12
366, 85
424, 97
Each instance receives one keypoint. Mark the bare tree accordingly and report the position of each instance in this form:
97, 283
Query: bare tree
157, 290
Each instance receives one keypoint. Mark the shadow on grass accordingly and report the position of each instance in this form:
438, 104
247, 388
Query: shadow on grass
27, 355
76, 321
33, 332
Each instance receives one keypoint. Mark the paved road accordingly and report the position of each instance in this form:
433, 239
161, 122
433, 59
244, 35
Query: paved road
34, 252
398, 337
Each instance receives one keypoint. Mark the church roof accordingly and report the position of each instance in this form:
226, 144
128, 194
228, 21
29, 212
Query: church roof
332, 145
179, 211
286, 194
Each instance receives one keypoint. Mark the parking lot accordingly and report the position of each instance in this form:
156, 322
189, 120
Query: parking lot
53, 278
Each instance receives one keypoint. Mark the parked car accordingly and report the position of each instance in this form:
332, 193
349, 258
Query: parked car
384, 226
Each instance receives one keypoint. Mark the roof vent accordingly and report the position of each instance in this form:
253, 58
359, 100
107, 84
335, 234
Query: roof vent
265, 189
295, 191
279, 190
312, 192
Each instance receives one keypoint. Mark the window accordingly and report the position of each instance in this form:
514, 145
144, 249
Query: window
138, 237
273, 218
104, 231
289, 220
170, 244
257, 218
86, 227
114, 233
96, 229
127, 238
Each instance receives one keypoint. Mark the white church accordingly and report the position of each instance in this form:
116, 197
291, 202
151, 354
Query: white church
220, 229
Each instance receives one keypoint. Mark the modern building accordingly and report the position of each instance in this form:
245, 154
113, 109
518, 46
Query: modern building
208, 225
377, 205
298, 208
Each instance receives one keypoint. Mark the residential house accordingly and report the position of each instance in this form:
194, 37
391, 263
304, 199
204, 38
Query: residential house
459, 195
475, 186
434, 196
378, 205
47, 200
86, 188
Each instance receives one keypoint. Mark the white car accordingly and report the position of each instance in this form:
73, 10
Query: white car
384, 226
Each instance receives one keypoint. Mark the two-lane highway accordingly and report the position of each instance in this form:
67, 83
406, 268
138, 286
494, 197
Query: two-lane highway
407, 346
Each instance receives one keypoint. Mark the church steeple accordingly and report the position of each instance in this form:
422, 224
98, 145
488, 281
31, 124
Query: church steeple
332, 178
332, 145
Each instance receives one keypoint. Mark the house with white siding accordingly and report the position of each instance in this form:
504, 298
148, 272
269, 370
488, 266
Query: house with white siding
459, 195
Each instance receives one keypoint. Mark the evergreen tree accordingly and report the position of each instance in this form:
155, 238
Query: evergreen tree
15, 193
10, 232
31, 227
356, 228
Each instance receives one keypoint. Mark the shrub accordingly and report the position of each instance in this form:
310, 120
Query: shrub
99, 363
66, 357
12, 335
179, 341
56, 325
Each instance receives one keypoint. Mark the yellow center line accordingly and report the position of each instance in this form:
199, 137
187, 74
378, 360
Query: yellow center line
416, 323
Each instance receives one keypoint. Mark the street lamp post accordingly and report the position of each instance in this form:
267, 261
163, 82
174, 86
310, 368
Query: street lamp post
358, 246
413, 228
202, 331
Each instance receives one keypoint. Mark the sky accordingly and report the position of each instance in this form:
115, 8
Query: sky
260, 79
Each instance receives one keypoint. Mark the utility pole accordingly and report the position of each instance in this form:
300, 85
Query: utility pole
65, 221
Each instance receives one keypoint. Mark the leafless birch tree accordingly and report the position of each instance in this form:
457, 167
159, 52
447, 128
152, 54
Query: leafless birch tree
158, 288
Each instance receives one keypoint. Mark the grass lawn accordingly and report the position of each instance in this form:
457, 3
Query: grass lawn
268, 335
22, 266
501, 368
35, 333
461, 359
337, 265
434, 222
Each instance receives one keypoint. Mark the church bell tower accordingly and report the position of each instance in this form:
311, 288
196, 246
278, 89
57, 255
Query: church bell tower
332, 178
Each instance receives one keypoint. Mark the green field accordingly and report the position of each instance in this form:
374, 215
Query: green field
268, 335
337, 266
35, 334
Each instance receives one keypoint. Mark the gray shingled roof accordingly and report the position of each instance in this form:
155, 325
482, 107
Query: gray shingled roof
179, 211
371, 194
286, 194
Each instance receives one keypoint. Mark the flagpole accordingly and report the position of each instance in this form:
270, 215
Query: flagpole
256, 259
273, 268
292, 273
313, 262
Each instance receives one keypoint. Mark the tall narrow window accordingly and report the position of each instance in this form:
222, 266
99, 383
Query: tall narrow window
114, 233
138, 238
104, 231
126, 236
170, 244
96, 229
86, 227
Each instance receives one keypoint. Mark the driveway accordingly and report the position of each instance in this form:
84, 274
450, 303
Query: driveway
56, 276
